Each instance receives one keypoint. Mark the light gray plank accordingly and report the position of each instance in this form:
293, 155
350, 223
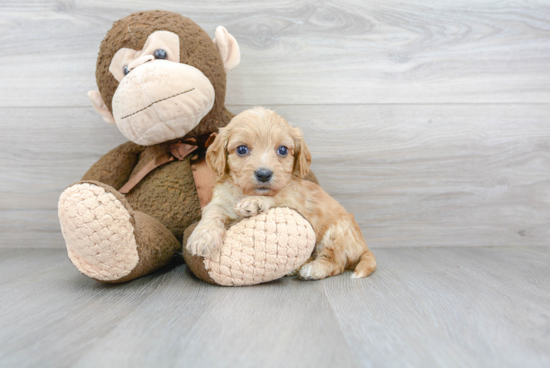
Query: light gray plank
433, 175
414, 175
281, 324
301, 52
459, 307
167, 319
17, 263
453, 307
51, 316
31, 228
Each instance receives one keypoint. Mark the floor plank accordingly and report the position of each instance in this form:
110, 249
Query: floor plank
445, 307
413, 175
203, 325
51, 317
464, 307
17, 263
301, 52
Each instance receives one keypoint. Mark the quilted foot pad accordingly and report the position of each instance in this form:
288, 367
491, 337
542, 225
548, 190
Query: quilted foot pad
98, 231
262, 248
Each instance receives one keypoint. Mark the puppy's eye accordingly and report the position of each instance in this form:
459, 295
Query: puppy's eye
282, 151
160, 54
242, 150
125, 70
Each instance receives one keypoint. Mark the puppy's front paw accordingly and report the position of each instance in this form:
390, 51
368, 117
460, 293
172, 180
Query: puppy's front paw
204, 239
199, 246
251, 206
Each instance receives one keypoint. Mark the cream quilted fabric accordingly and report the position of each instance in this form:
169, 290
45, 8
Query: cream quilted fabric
98, 232
262, 248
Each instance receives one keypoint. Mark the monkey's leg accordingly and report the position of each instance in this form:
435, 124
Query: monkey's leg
108, 241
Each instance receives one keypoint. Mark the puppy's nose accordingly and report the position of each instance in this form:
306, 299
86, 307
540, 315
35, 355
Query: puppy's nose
263, 175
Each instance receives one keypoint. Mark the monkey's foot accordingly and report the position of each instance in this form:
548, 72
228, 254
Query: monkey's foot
99, 231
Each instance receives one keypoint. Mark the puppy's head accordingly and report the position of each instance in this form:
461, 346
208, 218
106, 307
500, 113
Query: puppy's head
260, 152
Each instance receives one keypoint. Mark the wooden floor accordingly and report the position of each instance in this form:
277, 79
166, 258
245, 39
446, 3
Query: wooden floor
424, 307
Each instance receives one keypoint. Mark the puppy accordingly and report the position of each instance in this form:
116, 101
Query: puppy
260, 162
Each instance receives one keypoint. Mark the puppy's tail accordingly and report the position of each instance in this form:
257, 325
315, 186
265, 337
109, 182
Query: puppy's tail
365, 266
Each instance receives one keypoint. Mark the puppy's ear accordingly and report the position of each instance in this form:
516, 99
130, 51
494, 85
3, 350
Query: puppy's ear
302, 156
216, 156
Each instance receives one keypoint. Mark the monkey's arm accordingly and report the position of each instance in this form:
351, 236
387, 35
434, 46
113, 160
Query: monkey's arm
115, 167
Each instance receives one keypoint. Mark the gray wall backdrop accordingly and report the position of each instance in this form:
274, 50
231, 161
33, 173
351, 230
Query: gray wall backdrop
429, 121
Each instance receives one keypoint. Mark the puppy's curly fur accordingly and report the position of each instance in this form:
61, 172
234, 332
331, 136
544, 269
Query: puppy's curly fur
260, 162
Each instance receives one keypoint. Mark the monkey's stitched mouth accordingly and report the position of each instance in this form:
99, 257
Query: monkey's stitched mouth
164, 99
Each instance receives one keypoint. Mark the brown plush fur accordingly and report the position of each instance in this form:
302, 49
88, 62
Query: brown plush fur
167, 193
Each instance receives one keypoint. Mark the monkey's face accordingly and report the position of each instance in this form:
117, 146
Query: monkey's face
157, 85
158, 98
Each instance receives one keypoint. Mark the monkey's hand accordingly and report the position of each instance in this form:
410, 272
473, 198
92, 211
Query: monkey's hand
207, 236
250, 206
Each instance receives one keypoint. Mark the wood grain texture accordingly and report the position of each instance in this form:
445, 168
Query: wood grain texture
413, 175
452, 307
448, 308
301, 52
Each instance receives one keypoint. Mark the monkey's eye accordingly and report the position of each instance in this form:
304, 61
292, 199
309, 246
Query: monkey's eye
242, 150
160, 54
282, 151
125, 70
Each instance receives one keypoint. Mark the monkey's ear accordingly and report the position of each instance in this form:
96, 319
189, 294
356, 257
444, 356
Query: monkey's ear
99, 106
228, 47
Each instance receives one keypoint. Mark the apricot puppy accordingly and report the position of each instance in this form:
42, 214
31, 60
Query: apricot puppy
260, 162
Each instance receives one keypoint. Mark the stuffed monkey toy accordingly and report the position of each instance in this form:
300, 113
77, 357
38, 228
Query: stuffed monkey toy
161, 81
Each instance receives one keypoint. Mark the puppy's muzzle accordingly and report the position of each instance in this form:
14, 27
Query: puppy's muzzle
263, 175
